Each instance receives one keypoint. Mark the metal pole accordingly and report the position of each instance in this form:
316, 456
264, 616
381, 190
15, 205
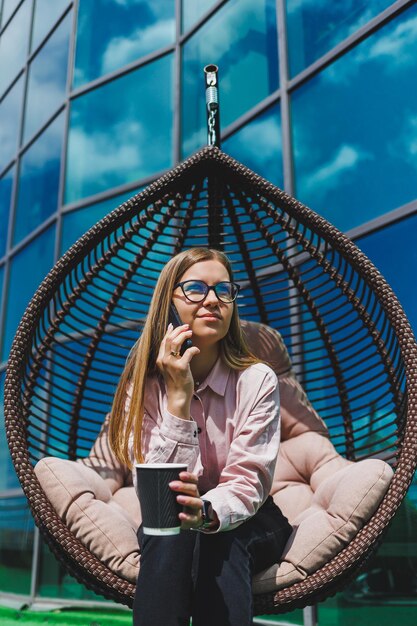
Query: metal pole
310, 615
212, 102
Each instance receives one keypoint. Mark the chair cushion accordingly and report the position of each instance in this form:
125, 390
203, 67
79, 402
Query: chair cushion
297, 414
326, 499
326, 511
105, 523
103, 460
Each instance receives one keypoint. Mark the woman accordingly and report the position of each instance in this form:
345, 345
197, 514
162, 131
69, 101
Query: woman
216, 408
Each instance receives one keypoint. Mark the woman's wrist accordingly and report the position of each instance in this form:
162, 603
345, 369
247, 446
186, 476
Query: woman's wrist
179, 406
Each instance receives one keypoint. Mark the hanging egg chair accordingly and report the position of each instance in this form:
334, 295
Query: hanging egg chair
349, 341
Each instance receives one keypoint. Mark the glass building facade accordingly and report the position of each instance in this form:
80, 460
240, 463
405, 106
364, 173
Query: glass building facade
97, 99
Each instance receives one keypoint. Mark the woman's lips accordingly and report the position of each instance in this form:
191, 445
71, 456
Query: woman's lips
210, 316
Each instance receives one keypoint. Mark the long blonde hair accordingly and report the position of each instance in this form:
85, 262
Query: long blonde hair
142, 360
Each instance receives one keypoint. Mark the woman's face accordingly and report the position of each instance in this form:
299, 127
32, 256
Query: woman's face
210, 319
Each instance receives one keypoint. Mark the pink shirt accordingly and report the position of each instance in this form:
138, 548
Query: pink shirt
231, 442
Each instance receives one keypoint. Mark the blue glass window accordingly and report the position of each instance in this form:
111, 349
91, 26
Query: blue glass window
121, 132
16, 545
241, 39
8, 8
193, 10
1, 287
10, 110
314, 28
37, 195
112, 34
6, 183
46, 15
76, 223
258, 145
27, 269
355, 129
14, 45
393, 251
47, 79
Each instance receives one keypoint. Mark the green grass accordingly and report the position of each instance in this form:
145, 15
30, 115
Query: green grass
404, 614
65, 617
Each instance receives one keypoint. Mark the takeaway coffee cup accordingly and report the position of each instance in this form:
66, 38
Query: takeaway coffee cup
158, 502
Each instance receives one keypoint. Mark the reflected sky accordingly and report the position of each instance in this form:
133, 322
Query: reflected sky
316, 26
27, 270
192, 10
37, 196
6, 183
47, 79
76, 223
14, 45
258, 145
10, 110
113, 33
241, 39
121, 132
46, 15
8, 8
355, 129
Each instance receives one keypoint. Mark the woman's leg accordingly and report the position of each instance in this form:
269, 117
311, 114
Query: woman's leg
164, 586
227, 562
223, 594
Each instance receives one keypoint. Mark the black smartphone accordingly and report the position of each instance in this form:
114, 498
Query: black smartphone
175, 320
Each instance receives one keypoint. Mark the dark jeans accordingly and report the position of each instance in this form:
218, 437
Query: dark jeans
207, 576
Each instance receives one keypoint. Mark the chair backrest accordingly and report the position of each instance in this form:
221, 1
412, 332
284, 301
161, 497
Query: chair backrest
349, 340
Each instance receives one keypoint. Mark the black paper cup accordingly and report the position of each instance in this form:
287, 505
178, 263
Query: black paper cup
158, 502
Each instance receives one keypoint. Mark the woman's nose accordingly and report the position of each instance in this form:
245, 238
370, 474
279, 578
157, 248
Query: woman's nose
211, 298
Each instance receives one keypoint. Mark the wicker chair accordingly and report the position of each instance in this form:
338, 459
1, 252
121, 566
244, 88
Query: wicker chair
349, 340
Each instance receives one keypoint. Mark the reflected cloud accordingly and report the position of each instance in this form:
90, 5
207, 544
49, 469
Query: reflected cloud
47, 147
397, 47
120, 132
404, 147
47, 80
104, 160
329, 175
195, 141
9, 123
119, 32
127, 3
394, 49
262, 138
13, 46
123, 50
46, 14
222, 35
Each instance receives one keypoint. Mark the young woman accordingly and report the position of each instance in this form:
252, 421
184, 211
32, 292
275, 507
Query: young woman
216, 408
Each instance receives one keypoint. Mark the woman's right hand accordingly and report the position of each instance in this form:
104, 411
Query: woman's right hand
176, 370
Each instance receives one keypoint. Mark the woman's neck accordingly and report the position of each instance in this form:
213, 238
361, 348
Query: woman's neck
202, 363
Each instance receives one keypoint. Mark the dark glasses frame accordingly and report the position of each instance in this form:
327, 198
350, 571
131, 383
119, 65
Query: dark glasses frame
209, 288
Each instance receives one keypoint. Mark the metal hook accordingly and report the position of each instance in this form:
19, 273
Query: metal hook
212, 104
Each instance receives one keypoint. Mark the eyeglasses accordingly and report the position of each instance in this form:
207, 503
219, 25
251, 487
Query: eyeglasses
197, 290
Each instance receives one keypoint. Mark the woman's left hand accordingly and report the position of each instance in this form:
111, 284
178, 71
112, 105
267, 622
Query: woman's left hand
189, 497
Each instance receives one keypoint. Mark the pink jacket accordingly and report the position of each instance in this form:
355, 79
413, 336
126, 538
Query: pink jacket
231, 442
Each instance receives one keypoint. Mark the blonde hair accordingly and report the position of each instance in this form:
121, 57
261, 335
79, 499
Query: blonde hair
142, 360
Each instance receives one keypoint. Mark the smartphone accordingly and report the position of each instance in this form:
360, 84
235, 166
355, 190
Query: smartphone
175, 320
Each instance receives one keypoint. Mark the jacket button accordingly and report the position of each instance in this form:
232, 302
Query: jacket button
199, 430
